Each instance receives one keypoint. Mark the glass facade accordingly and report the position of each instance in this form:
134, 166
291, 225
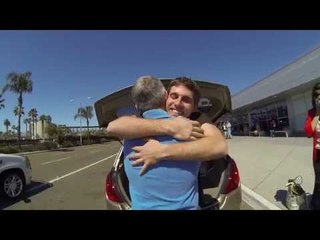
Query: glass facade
273, 116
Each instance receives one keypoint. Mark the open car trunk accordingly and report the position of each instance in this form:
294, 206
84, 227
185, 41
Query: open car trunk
215, 101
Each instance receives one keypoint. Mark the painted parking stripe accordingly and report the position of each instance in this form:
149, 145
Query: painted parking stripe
58, 160
256, 201
81, 169
69, 174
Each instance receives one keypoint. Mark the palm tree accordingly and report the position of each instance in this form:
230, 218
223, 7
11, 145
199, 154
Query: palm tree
42, 119
85, 113
7, 123
19, 84
16, 111
33, 114
14, 128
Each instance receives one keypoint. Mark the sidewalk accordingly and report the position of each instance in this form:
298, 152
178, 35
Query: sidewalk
266, 164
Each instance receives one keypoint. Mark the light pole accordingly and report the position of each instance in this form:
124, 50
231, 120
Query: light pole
80, 126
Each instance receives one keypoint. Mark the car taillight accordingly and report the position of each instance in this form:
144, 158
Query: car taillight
111, 191
234, 178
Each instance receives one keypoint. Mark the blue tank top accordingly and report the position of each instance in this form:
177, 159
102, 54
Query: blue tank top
167, 185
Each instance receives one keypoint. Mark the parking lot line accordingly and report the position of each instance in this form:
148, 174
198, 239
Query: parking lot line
69, 174
58, 160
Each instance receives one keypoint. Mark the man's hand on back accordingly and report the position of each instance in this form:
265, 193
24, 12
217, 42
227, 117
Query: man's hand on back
148, 154
185, 129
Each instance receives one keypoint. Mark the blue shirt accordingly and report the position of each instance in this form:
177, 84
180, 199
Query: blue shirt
166, 185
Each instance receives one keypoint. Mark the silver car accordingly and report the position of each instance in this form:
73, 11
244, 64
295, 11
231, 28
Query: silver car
219, 180
15, 175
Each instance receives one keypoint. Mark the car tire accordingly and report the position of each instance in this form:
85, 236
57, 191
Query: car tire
11, 185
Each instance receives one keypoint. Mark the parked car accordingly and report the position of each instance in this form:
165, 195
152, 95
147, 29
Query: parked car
219, 180
15, 175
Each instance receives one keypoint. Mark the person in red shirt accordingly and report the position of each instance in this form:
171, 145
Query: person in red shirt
312, 129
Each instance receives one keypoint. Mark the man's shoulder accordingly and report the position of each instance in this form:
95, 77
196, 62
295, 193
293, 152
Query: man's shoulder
155, 114
210, 129
207, 125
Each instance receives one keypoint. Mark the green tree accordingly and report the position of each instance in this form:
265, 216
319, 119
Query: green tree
85, 113
51, 130
17, 110
19, 84
58, 132
14, 129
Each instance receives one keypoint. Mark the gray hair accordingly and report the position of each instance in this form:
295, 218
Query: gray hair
148, 93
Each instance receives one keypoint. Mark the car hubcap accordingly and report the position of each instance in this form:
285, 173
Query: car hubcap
13, 186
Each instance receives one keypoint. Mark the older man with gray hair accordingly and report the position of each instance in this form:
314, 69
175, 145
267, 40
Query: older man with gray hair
167, 184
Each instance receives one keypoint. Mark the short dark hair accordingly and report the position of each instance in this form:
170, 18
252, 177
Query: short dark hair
188, 83
314, 94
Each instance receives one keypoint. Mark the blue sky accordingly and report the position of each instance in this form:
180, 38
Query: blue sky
76, 65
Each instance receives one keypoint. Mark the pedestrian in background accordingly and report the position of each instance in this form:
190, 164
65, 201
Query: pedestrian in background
312, 129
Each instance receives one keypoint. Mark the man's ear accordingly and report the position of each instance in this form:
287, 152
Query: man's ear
166, 95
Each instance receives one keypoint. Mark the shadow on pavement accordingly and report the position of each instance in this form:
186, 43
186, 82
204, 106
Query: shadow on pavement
31, 190
281, 196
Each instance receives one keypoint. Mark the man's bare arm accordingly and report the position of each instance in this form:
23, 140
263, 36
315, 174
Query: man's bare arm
129, 127
210, 147
213, 146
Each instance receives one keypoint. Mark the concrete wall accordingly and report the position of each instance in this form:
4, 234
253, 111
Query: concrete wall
38, 130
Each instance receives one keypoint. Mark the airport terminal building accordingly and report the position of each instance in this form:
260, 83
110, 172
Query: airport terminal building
283, 97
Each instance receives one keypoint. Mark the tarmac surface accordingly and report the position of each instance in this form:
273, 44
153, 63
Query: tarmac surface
265, 165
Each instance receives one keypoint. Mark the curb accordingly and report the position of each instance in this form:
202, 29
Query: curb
25, 153
256, 201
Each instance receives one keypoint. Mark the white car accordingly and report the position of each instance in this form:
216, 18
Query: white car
15, 175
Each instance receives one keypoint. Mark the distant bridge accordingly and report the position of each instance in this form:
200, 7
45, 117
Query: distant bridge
83, 128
